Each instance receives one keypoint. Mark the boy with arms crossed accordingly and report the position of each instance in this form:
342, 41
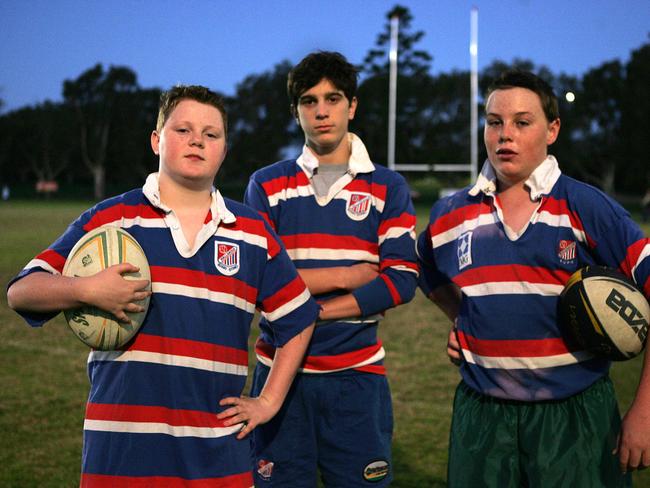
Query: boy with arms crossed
348, 225
166, 410
529, 410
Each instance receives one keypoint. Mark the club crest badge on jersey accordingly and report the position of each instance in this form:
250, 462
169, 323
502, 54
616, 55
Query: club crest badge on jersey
566, 251
464, 250
265, 469
358, 205
226, 257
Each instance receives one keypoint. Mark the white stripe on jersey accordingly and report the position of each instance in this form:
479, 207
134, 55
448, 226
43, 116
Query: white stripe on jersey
380, 354
377, 202
332, 254
240, 235
645, 254
288, 193
39, 263
526, 362
288, 307
203, 293
396, 232
471, 224
169, 360
561, 220
512, 288
160, 428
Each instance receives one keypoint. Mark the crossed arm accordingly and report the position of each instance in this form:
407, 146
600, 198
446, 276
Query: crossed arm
106, 290
324, 280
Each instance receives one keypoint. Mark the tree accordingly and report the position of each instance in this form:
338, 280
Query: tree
598, 124
260, 127
410, 61
97, 96
37, 140
634, 173
414, 89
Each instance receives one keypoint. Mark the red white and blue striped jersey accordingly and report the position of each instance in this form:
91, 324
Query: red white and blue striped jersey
368, 217
512, 344
151, 417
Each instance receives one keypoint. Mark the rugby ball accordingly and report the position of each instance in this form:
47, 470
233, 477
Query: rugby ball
605, 313
95, 251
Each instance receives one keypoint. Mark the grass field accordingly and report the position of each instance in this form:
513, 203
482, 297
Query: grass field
43, 383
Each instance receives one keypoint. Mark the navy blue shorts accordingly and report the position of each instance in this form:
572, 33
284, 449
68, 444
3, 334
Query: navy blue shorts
340, 423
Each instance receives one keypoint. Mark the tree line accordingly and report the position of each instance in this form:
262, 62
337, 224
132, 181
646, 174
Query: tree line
97, 137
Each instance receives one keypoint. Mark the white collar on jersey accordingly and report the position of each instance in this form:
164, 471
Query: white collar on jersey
540, 182
220, 212
359, 159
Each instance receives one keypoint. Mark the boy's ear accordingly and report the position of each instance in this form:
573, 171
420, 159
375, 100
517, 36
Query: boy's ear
353, 108
553, 131
155, 142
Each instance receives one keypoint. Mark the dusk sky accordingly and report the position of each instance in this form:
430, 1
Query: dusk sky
218, 43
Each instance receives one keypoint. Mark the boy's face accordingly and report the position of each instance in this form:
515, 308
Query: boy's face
324, 113
517, 133
191, 144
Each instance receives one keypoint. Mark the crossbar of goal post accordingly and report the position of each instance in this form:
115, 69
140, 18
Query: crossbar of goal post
472, 168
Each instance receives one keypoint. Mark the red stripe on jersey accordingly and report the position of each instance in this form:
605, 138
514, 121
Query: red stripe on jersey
287, 293
559, 207
511, 272
152, 414
372, 368
388, 263
121, 211
324, 363
458, 216
513, 348
397, 299
189, 348
266, 217
89, 480
256, 227
53, 258
375, 189
276, 185
328, 241
632, 255
406, 220
198, 279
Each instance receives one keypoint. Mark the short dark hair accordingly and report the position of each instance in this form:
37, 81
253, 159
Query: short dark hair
318, 65
171, 98
516, 78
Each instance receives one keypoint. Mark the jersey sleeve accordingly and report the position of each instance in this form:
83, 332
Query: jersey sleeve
51, 260
284, 300
398, 270
430, 277
256, 198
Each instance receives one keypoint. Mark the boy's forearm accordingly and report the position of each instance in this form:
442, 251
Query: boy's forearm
339, 307
286, 362
43, 292
447, 298
325, 280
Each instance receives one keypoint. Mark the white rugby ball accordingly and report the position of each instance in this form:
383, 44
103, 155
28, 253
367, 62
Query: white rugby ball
94, 252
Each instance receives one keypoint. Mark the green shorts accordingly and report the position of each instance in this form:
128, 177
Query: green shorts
502, 443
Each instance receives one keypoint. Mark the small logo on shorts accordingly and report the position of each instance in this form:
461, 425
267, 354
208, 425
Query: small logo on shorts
226, 257
566, 251
358, 206
464, 250
265, 469
375, 471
